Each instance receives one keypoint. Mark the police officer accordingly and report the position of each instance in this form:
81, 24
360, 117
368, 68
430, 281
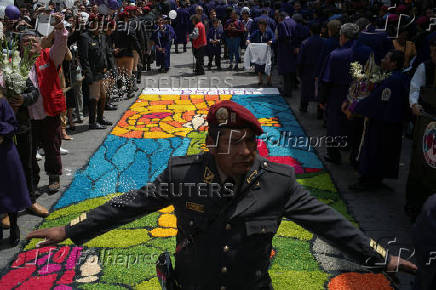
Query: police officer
95, 55
225, 230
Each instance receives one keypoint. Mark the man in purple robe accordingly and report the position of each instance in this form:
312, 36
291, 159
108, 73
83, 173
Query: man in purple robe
287, 51
386, 110
335, 81
308, 60
181, 26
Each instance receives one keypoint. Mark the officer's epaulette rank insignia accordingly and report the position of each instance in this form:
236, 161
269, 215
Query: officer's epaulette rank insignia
195, 207
251, 176
79, 219
208, 175
379, 249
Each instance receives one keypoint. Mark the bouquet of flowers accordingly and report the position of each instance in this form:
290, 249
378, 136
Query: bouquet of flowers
15, 69
365, 79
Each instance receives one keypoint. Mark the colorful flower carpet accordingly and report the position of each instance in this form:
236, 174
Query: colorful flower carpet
158, 125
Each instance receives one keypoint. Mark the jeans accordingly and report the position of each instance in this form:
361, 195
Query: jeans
233, 47
47, 132
199, 59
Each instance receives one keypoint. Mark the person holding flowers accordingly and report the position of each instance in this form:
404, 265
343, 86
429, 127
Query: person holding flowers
14, 195
385, 111
16, 63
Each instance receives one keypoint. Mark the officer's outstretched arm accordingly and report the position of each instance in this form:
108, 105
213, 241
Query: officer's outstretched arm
118, 211
326, 222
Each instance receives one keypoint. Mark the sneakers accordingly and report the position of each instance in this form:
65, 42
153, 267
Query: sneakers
96, 126
41, 152
64, 151
110, 107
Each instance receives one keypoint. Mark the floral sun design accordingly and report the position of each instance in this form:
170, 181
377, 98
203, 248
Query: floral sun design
154, 128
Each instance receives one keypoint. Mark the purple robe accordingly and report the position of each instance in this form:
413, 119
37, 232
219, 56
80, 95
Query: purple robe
14, 195
337, 77
330, 44
386, 107
181, 26
308, 61
286, 42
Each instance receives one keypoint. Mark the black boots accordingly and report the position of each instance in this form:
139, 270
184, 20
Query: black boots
14, 237
100, 112
92, 111
133, 80
138, 76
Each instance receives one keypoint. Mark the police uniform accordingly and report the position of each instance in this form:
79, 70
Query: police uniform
228, 249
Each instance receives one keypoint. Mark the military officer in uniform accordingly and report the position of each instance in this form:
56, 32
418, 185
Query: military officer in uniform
229, 203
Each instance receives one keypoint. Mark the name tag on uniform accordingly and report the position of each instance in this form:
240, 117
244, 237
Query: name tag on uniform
195, 207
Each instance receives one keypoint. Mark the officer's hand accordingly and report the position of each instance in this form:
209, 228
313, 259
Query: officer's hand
417, 109
397, 264
52, 236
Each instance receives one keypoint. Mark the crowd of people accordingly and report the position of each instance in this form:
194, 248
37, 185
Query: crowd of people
94, 57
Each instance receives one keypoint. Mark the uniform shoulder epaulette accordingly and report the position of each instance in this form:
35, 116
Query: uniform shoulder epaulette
277, 168
186, 160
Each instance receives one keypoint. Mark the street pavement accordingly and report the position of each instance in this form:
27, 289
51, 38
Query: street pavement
380, 214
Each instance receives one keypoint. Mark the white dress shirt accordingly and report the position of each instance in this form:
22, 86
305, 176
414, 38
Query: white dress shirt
417, 82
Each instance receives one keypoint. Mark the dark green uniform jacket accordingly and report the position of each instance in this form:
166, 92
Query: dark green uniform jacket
233, 253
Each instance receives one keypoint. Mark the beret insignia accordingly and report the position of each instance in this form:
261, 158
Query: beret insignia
222, 115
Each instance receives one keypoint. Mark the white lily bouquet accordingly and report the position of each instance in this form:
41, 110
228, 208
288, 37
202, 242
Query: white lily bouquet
365, 79
15, 68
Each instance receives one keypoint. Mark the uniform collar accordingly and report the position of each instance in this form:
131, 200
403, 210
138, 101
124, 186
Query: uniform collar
213, 171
